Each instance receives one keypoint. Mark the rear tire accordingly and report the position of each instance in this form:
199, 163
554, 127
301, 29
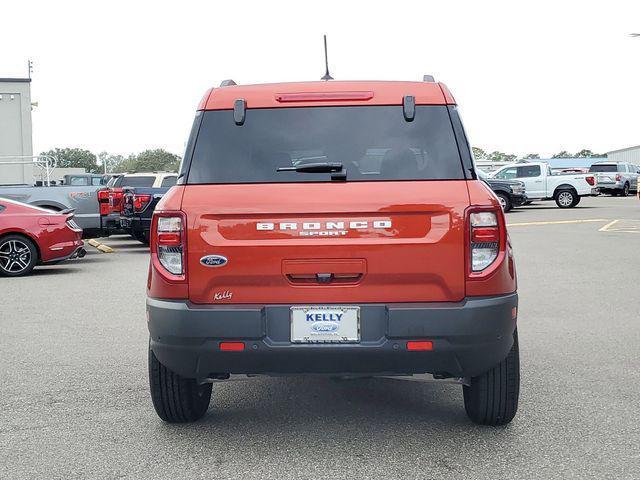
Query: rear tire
505, 201
492, 398
565, 198
176, 399
18, 256
625, 190
142, 237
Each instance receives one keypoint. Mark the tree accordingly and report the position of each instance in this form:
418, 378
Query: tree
588, 153
563, 154
532, 155
151, 161
501, 157
74, 158
478, 153
113, 162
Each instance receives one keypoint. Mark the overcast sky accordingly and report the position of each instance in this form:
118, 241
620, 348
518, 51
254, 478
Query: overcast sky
530, 76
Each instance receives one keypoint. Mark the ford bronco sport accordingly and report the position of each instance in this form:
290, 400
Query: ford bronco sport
333, 228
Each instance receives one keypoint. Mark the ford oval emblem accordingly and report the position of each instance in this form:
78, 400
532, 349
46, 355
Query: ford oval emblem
324, 327
213, 261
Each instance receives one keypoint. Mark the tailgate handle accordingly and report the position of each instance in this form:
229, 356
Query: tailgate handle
324, 271
324, 278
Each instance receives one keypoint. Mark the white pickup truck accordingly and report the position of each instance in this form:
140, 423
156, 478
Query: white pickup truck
542, 184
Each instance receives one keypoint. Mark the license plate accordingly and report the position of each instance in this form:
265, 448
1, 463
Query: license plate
325, 324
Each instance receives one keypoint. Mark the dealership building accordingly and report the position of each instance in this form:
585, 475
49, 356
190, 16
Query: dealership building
16, 164
629, 154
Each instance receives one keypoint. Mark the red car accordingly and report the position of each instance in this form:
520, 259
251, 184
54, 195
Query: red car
332, 228
31, 236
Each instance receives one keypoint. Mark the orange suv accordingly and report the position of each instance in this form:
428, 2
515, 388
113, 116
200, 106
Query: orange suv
334, 228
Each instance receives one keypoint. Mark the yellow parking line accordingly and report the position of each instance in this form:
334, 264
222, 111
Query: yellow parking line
557, 222
610, 224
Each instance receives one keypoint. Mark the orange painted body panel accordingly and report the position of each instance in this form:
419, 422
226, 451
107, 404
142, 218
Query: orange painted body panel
419, 257
384, 93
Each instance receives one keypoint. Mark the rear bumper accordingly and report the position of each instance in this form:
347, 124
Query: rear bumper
78, 251
135, 224
469, 338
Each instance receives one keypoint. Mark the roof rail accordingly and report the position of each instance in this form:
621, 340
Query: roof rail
228, 83
428, 78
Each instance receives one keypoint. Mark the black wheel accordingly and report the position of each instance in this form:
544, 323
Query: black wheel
577, 201
625, 190
505, 201
176, 399
141, 236
18, 256
492, 398
565, 198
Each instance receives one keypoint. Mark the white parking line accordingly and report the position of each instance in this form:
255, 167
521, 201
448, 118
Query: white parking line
557, 222
606, 227
622, 226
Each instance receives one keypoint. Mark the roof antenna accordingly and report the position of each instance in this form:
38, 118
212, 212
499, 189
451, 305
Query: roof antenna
326, 62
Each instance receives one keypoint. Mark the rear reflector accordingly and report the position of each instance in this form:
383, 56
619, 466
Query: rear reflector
422, 345
514, 313
231, 346
322, 96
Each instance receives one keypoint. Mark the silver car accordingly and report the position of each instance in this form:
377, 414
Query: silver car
616, 178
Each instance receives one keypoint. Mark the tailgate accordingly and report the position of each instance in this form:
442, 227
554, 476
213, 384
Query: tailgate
327, 242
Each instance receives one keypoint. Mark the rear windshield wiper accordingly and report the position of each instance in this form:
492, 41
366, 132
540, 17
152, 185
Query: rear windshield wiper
322, 167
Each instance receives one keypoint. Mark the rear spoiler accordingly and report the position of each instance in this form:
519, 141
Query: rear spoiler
68, 211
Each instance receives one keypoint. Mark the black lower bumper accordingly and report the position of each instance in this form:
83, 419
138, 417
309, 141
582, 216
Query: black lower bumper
468, 338
135, 224
518, 200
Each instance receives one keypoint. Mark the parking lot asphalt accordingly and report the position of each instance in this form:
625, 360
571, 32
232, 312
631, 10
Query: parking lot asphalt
74, 399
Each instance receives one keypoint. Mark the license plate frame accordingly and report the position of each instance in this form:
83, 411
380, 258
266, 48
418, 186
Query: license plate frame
326, 326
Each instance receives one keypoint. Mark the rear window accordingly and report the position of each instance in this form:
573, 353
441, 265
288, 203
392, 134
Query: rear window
169, 181
604, 168
372, 143
136, 181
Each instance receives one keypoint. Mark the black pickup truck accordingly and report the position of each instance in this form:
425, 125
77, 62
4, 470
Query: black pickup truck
138, 204
511, 193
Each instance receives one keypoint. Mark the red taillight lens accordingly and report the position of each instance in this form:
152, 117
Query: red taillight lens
618, 177
420, 346
232, 346
140, 201
591, 181
115, 200
103, 201
323, 96
168, 242
485, 234
485, 238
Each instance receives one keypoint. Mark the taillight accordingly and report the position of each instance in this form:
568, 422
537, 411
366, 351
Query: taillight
168, 243
618, 177
103, 200
485, 239
115, 200
591, 181
140, 201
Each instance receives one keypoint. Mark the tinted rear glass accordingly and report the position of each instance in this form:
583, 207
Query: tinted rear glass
604, 168
137, 181
373, 143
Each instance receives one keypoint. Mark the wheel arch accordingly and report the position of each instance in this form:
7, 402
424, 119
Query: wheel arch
565, 186
23, 233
